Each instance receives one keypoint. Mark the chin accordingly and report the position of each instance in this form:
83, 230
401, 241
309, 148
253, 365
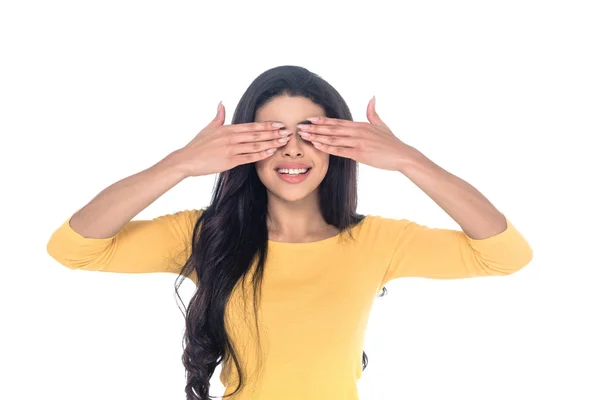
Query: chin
291, 194
292, 197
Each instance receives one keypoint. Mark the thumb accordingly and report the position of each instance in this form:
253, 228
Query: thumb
372, 115
220, 117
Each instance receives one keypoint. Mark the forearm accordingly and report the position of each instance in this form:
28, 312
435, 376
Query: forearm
475, 214
112, 208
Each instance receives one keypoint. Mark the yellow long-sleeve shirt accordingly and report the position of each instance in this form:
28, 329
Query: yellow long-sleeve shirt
316, 297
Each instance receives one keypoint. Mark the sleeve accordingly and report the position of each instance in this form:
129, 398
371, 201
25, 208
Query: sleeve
162, 244
418, 251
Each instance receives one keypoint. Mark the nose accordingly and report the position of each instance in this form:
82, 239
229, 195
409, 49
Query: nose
293, 148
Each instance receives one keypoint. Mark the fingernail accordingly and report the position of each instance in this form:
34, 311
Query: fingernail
219, 106
277, 125
284, 132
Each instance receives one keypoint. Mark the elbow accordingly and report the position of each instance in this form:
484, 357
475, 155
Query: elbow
74, 251
53, 251
516, 267
519, 254
65, 256
514, 261
522, 258
59, 254
502, 254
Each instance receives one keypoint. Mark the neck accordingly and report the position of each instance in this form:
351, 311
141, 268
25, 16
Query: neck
296, 220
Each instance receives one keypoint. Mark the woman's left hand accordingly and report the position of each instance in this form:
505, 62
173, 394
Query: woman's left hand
371, 143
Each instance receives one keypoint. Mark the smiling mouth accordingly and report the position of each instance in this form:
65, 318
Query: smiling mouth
285, 173
294, 178
301, 173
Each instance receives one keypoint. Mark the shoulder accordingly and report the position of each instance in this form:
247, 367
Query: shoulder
182, 221
380, 230
186, 215
385, 224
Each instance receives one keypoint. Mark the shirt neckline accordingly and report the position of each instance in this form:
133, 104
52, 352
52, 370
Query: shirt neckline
308, 244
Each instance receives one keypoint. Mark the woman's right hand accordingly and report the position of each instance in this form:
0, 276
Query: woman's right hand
219, 147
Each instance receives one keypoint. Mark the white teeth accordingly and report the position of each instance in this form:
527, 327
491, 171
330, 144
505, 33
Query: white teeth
292, 171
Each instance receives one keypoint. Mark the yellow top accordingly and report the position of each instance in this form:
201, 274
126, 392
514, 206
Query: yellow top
316, 296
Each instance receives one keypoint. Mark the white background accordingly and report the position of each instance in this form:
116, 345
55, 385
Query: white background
503, 94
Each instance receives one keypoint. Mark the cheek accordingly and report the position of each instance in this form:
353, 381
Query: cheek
260, 166
325, 161
262, 172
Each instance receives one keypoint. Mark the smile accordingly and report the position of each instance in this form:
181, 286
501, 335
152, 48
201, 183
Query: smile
294, 177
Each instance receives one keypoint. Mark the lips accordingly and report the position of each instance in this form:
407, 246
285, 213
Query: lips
294, 178
290, 165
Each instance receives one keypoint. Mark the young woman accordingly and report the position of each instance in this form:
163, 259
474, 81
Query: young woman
282, 234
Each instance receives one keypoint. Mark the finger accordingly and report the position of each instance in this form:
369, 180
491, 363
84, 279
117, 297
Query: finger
338, 130
256, 147
335, 150
219, 119
371, 107
258, 136
253, 157
332, 121
341, 141
255, 126
372, 115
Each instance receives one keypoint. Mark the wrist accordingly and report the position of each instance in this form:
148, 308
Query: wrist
410, 158
417, 167
173, 165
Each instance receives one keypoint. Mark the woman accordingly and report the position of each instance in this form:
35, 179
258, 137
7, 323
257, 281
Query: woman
282, 232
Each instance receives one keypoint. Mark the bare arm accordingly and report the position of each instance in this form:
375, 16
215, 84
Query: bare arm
215, 149
102, 236
476, 215
113, 207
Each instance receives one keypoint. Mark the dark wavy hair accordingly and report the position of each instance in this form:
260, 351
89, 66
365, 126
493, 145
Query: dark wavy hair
234, 229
